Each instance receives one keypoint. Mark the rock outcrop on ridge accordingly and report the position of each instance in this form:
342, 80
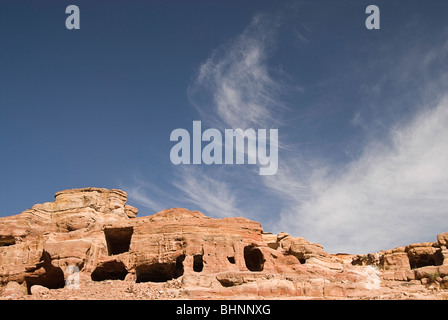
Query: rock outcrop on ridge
89, 243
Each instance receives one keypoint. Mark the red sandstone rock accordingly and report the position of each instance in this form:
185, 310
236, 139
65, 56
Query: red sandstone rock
91, 236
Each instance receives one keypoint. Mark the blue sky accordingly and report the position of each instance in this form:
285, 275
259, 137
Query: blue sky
362, 114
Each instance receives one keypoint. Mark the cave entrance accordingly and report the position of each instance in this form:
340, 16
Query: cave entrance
426, 259
253, 257
160, 271
198, 263
118, 239
50, 276
111, 270
231, 260
7, 240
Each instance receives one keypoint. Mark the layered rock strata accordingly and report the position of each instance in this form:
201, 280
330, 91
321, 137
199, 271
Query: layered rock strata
89, 236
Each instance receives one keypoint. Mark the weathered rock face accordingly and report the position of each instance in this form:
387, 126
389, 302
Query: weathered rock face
95, 231
37, 245
93, 234
426, 262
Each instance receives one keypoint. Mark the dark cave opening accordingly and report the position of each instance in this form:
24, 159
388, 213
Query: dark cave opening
118, 239
111, 270
198, 263
253, 258
160, 271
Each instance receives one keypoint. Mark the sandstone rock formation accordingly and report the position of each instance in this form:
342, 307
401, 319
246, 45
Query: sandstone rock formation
90, 238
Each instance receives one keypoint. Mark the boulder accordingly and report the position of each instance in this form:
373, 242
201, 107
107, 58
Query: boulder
396, 258
424, 254
442, 239
39, 290
299, 247
14, 290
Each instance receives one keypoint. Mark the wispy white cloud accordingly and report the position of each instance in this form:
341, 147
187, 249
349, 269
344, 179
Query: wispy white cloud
235, 87
146, 195
139, 196
396, 192
394, 189
207, 192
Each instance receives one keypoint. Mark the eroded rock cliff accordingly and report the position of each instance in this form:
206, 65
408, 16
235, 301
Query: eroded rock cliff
91, 233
